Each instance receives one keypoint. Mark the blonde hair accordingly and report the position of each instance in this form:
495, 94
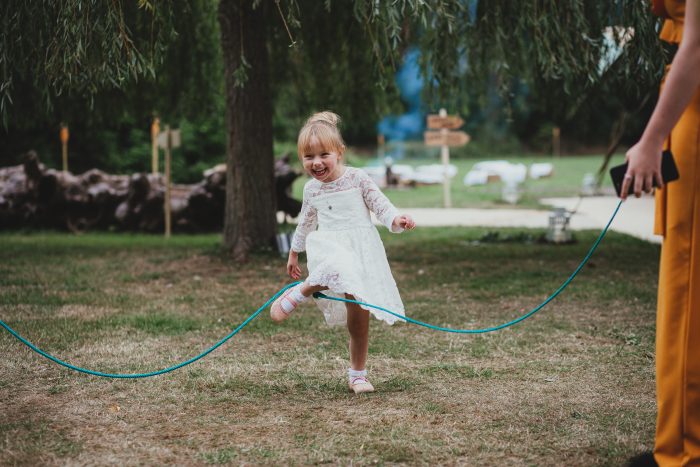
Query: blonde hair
324, 127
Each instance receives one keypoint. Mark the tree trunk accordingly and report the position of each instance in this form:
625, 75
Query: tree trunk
249, 219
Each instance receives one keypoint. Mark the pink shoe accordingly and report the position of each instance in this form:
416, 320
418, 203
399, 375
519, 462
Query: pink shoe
277, 313
360, 385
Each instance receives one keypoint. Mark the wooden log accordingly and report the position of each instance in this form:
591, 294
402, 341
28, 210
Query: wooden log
33, 196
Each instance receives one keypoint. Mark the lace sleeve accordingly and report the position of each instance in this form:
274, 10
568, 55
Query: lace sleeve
307, 223
377, 202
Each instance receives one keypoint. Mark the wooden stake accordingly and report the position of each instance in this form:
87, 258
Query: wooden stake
64, 146
168, 147
155, 129
445, 157
556, 141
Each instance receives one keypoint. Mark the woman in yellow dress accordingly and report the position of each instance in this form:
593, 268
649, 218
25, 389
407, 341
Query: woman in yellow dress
676, 123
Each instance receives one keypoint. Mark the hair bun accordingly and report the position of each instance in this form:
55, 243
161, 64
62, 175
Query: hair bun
324, 117
321, 127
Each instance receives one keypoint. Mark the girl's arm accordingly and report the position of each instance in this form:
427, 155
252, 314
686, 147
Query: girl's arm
307, 223
682, 82
379, 204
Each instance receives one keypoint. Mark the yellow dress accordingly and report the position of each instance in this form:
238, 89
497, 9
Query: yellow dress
677, 218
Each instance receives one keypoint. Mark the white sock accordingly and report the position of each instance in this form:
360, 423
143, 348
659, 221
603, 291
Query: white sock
352, 374
295, 295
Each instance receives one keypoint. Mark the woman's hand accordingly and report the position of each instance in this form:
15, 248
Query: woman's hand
403, 221
644, 159
293, 268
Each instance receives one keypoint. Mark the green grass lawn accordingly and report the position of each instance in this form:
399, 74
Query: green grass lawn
566, 181
572, 385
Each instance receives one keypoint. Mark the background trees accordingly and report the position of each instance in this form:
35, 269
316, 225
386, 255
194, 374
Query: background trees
169, 65
547, 62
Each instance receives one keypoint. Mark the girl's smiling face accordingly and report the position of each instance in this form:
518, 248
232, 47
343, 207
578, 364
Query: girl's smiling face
325, 165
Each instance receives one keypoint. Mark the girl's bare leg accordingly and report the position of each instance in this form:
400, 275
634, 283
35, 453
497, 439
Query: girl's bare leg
358, 326
308, 290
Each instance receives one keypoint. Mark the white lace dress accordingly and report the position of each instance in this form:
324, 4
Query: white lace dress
343, 248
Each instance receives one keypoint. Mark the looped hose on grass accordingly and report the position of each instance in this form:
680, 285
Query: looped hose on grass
322, 296
152, 373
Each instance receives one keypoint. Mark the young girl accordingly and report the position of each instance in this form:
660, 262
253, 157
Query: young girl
344, 252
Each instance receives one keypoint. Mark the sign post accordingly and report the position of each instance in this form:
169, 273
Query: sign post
168, 140
445, 138
64, 146
445, 158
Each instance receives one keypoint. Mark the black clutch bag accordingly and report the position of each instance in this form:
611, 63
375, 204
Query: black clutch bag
669, 173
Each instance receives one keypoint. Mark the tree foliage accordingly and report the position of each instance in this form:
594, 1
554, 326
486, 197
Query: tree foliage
552, 62
76, 47
182, 84
330, 66
141, 57
567, 52
565, 48
135, 58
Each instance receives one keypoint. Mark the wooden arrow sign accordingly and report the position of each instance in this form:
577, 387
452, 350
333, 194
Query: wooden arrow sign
440, 138
448, 122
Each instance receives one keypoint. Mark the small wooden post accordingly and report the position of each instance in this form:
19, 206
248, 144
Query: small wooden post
155, 129
556, 141
445, 157
167, 140
168, 147
64, 146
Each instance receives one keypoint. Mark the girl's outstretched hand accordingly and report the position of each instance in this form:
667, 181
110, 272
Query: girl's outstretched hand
405, 222
293, 268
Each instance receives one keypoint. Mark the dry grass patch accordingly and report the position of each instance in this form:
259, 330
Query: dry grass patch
571, 386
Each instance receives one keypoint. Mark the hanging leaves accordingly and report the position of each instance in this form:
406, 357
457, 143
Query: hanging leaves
78, 46
569, 47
